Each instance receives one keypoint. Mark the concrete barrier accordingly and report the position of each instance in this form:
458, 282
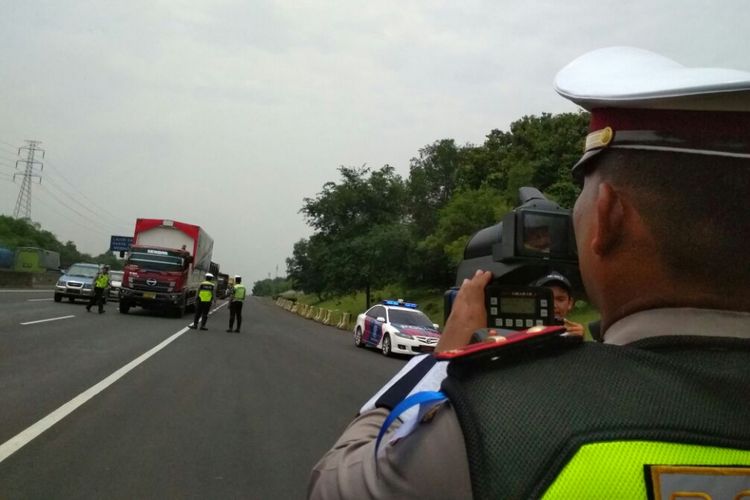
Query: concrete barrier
332, 317
327, 318
17, 279
343, 323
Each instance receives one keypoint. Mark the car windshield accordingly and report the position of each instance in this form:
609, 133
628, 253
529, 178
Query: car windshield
116, 275
413, 318
82, 271
156, 262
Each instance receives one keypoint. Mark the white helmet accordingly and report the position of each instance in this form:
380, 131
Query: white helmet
209, 276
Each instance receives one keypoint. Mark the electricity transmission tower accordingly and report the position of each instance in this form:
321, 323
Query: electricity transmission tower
23, 203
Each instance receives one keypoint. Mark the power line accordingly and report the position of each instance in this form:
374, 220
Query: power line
58, 200
74, 199
14, 146
86, 227
102, 209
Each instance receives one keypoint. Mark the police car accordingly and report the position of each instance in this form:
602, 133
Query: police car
395, 326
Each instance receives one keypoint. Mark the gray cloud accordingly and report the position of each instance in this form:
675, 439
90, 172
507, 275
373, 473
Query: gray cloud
228, 113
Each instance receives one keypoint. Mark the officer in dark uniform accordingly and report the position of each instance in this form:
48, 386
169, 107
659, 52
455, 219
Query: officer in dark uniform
100, 285
206, 293
658, 410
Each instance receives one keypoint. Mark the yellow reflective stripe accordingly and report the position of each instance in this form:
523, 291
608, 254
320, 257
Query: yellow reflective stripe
615, 469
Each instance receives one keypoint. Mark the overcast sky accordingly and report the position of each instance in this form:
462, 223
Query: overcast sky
226, 114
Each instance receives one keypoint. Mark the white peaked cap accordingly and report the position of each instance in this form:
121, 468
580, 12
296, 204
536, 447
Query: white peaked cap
641, 100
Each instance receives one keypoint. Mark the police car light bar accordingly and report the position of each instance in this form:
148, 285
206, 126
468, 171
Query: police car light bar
401, 303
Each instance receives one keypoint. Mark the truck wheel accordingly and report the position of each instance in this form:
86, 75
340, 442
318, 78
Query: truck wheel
180, 310
124, 307
58, 297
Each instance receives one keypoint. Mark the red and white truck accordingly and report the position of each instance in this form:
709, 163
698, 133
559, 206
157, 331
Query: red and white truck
165, 265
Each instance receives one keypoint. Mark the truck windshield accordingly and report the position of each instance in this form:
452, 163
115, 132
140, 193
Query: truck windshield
156, 262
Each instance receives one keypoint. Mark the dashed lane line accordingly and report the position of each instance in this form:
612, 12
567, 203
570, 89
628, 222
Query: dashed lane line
26, 436
48, 319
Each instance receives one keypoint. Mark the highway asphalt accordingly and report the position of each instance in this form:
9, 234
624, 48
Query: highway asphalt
138, 406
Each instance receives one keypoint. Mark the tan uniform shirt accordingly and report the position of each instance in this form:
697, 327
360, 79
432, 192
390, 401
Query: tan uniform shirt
431, 461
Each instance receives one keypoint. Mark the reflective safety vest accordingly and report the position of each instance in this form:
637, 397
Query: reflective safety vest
206, 291
661, 416
102, 281
239, 293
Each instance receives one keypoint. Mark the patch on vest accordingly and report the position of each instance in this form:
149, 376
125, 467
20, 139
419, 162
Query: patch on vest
709, 482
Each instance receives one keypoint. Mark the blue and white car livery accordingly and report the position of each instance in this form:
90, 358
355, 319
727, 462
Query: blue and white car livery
395, 326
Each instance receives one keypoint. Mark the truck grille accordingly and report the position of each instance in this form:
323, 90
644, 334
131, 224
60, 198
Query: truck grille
159, 286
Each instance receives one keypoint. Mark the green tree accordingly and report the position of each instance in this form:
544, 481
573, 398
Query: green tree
271, 287
360, 238
466, 213
432, 180
542, 151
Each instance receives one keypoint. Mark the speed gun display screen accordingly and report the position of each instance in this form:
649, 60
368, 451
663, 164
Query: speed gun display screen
518, 308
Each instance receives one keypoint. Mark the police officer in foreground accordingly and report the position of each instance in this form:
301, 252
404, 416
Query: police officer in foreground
100, 286
206, 293
236, 299
660, 405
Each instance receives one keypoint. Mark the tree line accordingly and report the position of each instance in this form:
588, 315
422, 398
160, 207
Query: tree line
16, 233
374, 228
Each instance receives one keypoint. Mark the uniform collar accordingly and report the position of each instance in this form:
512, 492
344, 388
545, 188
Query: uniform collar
678, 321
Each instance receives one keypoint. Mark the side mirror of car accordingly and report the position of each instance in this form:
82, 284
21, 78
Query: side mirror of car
380, 319
437, 327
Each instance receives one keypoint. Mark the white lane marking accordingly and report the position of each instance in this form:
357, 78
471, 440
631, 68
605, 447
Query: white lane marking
26, 436
48, 319
38, 300
48, 290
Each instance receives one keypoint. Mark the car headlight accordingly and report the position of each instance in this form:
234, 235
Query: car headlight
61, 283
87, 286
402, 335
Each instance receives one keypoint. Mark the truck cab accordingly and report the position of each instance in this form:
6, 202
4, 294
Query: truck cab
155, 278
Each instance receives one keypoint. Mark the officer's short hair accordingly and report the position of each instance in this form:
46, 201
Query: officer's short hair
696, 207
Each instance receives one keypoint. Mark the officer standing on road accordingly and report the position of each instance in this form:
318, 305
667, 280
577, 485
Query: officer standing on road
654, 409
236, 299
100, 285
562, 297
206, 293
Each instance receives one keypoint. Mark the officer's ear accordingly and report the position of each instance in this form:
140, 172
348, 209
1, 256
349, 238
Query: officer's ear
610, 218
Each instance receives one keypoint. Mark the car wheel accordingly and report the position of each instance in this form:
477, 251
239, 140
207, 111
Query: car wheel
124, 307
386, 346
358, 337
58, 297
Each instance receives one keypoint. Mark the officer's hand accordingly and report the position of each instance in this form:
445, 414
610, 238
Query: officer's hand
574, 328
467, 314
